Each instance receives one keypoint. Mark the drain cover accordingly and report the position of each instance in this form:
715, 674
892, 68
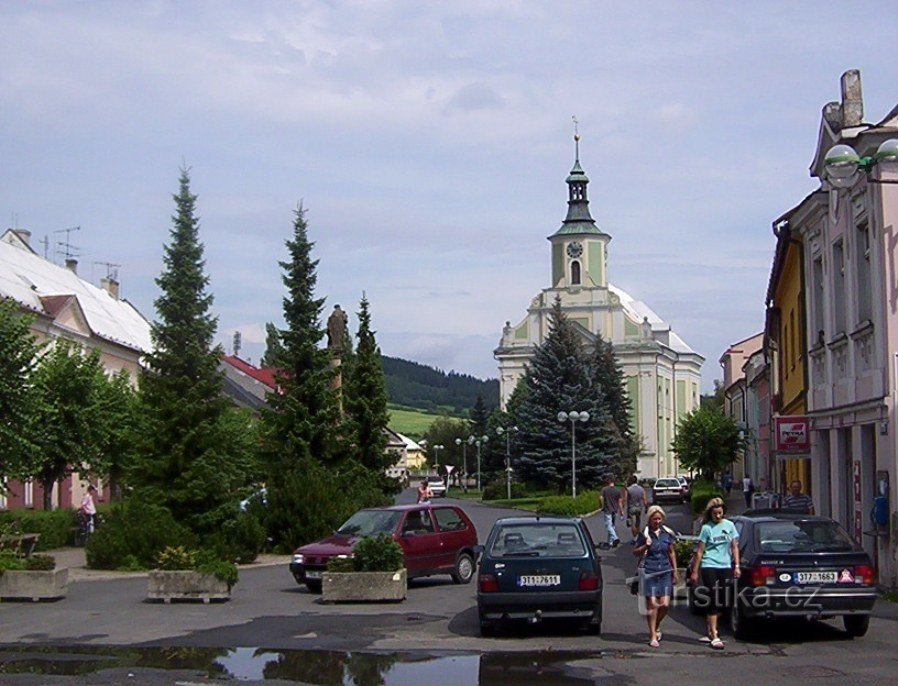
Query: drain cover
815, 672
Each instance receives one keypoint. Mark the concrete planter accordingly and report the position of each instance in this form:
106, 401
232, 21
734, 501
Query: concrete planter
349, 587
185, 585
34, 585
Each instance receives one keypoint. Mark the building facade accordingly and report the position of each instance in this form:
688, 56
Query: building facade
848, 232
663, 374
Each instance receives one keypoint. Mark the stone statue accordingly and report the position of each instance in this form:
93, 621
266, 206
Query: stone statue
646, 328
336, 329
507, 333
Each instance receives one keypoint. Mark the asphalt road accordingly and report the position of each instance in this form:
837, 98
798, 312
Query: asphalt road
271, 622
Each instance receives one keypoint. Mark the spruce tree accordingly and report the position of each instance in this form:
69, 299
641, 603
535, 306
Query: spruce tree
184, 461
608, 376
365, 398
18, 357
273, 348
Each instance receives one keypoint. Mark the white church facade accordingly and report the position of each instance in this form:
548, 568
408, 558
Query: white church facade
663, 374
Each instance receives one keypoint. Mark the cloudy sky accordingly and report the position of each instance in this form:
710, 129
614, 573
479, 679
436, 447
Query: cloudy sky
430, 143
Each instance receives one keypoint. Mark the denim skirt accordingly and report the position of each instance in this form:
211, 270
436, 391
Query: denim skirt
657, 585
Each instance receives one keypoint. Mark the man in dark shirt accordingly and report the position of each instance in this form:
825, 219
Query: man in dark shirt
612, 506
798, 501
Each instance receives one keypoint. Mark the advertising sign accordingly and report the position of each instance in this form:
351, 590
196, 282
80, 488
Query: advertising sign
792, 436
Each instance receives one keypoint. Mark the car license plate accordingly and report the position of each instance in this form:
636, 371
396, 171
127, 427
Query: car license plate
310, 574
816, 577
540, 580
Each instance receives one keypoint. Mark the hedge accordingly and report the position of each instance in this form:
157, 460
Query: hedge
568, 506
56, 527
702, 492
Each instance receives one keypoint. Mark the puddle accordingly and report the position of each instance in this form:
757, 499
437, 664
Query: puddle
305, 666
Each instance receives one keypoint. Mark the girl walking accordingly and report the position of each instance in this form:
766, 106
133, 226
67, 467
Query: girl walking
656, 543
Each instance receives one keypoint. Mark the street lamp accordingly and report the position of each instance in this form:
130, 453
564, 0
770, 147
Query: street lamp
464, 463
574, 417
478, 441
842, 163
501, 430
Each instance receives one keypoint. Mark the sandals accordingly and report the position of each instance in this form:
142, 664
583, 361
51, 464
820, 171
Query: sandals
654, 643
717, 644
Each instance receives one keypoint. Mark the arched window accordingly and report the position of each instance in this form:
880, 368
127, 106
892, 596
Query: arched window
575, 272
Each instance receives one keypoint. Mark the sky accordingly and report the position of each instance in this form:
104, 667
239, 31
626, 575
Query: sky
429, 143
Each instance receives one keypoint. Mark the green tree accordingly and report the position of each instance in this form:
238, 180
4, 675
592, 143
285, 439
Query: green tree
66, 427
714, 400
18, 357
273, 348
559, 379
707, 441
184, 460
444, 430
116, 408
365, 398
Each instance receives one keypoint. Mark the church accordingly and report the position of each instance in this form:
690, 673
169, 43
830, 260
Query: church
663, 374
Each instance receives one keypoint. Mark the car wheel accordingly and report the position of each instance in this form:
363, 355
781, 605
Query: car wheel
313, 586
464, 569
856, 625
740, 625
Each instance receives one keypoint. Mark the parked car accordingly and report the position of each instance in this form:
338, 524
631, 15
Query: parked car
668, 489
436, 539
687, 489
437, 486
537, 568
795, 565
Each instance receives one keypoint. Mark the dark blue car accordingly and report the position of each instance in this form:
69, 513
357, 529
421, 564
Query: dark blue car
538, 568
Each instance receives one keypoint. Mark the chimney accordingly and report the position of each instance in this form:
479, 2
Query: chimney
25, 235
71, 263
109, 285
852, 100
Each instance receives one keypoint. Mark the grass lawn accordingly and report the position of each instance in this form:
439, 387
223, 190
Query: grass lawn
409, 421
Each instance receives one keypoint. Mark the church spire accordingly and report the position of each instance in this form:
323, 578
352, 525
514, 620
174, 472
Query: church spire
578, 219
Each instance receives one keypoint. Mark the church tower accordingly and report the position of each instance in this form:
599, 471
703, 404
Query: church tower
579, 247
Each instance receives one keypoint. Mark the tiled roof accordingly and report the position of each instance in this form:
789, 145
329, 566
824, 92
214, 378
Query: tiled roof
38, 284
263, 375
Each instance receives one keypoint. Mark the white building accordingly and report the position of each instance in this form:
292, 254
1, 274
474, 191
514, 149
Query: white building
663, 373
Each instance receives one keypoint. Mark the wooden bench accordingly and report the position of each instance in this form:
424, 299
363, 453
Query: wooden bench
22, 545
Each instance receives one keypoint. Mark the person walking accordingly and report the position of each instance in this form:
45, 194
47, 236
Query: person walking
612, 506
424, 493
656, 545
798, 501
635, 506
716, 563
748, 487
88, 509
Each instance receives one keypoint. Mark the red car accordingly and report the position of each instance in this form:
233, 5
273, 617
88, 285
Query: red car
436, 539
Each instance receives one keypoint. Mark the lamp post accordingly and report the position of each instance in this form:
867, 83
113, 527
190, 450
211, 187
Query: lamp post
501, 430
478, 441
464, 463
842, 163
574, 417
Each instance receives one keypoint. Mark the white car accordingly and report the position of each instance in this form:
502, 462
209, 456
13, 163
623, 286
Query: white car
437, 486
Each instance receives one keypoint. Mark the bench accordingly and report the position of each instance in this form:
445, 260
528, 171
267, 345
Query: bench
22, 545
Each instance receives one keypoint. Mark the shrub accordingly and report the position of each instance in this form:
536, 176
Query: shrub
683, 550
341, 564
9, 560
178, 557
568, 506
133, 535
204, 561
241, 538
378, 554
497, 489
702, 492
56, 527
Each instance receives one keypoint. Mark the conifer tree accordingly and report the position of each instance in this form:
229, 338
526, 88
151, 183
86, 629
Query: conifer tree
300, 422
273, 347
365, 398
608, 377
184, 458
18, 357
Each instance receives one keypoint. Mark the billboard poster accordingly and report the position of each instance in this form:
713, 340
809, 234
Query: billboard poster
792, 436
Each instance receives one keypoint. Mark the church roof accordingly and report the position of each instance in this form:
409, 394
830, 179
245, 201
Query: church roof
639, 311
45, 288
578, 220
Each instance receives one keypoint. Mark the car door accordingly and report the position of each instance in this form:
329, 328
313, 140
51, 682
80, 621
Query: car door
420, 541
455, 534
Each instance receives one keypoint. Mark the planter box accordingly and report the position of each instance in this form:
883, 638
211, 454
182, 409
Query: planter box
34, 585
185, 585
348, 587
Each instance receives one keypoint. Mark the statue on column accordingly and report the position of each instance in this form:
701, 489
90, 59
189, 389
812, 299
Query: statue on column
336, 330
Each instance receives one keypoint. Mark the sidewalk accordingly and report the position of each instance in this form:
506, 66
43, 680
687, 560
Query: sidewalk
74, 559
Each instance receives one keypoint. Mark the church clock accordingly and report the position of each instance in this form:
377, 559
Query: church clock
574, 249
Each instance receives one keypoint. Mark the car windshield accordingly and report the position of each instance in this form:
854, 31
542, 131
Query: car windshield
788, 536
538, 540
434, 480
370, 523
667, 483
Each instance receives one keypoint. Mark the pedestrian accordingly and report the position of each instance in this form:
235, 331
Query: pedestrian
748, 487
424, 492
635, 506
727, 483
656, 545
716, 563
798, 501
88, 509
612, 506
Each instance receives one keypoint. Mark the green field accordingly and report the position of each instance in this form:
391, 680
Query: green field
410, 422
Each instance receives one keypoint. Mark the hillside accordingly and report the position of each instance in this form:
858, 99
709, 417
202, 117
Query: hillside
411, 384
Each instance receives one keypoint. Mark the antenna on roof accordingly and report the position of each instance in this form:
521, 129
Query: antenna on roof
111, 269
68, 249
237, 340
